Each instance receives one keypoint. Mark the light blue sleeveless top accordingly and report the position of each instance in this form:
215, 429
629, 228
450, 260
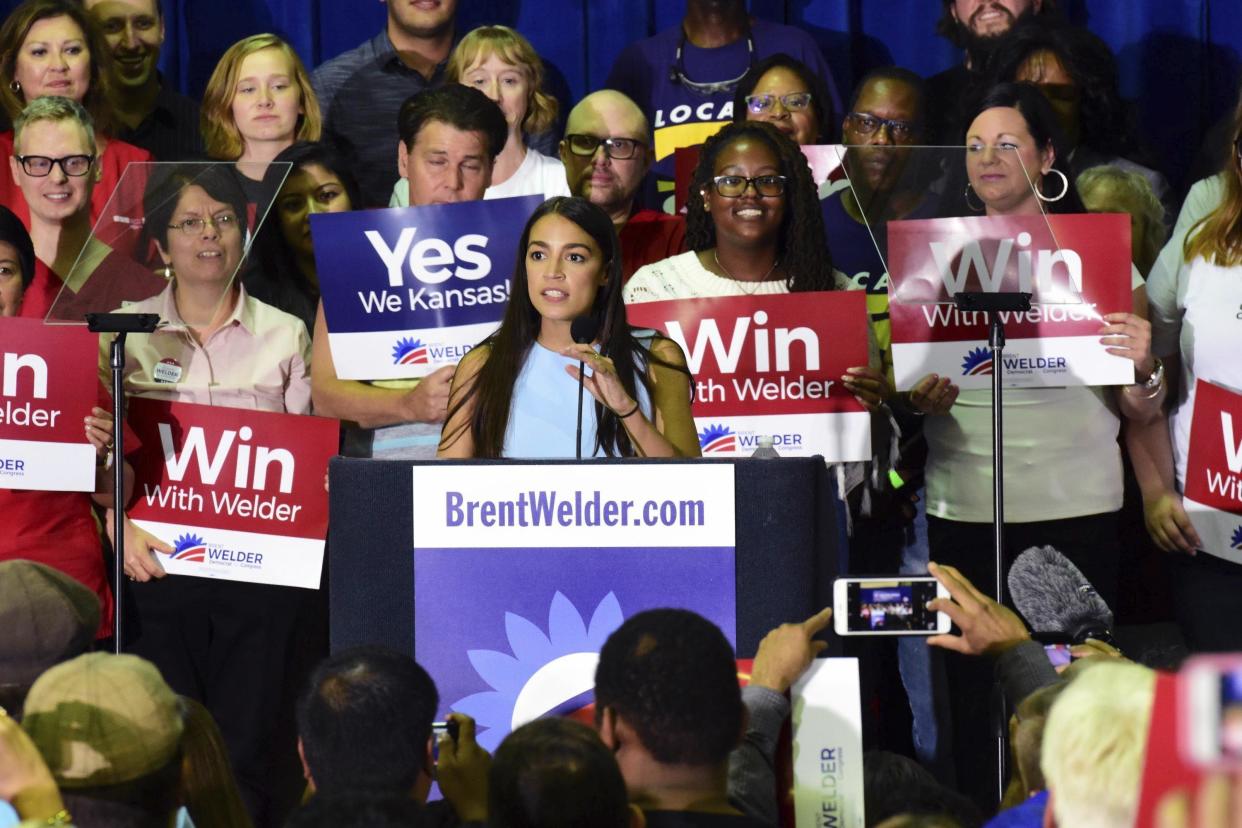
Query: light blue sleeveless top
543, 416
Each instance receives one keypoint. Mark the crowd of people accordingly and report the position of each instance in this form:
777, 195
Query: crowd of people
124, 193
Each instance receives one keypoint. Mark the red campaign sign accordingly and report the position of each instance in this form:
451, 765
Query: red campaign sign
751, 355
48, 384
1214, 464
1213, 485
231, 468
1077, 268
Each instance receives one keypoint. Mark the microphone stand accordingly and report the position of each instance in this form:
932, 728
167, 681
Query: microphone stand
120, 324
578, 440
993, 304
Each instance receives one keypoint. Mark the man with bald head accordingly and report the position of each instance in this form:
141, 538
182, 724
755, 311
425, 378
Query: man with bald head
607, 154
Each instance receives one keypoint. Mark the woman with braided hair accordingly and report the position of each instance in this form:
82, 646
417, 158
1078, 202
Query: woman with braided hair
753, 224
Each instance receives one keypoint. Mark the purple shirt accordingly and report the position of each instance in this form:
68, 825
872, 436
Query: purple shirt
683, 117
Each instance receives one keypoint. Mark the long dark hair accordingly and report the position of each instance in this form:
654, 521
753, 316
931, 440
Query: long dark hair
1042, 123
508, 347
821, 100
1105, 121
802, 245
273, 275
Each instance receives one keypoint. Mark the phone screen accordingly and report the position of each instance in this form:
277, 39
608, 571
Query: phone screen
890, 606
1231, 714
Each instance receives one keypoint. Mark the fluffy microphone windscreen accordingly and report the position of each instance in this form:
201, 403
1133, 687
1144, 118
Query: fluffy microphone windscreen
1053, 595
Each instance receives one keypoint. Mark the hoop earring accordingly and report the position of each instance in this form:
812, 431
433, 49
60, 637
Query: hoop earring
16, 86
166, 273
1064, 187
966, 195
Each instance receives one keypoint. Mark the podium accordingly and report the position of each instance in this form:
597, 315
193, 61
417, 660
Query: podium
789, 544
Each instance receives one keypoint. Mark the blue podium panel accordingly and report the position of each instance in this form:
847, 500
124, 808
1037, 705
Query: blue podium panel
786, 542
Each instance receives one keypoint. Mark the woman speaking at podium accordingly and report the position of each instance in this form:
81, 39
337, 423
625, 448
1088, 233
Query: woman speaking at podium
515, 395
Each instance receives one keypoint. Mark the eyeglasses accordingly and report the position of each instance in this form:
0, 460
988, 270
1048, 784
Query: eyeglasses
195, 226
618, 149
868, 124
793, 102
71, 165
734, 186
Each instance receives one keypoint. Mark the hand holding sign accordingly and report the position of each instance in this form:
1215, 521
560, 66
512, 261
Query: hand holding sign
1129, 335
933, 394
869, 386
140, 548
99, 431
428, 401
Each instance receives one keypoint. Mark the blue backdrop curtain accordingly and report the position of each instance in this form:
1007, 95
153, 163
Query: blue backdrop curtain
1179, 58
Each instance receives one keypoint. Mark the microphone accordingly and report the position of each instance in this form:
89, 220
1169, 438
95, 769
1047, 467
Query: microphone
583, 331
1057, 600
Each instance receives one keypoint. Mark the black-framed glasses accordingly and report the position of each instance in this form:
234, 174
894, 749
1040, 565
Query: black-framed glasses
194, 226
734, 186
618, 149
868, 124
71, 165
793, 102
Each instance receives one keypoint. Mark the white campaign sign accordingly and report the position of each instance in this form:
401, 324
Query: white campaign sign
622, 505
827, 746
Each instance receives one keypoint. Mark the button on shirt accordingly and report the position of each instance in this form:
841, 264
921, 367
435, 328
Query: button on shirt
258, 359
360, 93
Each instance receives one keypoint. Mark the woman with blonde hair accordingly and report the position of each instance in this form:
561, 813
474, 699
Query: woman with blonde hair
258, 101
1195, 320
52, 47
502, 64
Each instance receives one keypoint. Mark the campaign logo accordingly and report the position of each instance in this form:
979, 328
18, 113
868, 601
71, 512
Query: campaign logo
1236, 541
717, 439
977, 362
547, 674
409, 352
189, 547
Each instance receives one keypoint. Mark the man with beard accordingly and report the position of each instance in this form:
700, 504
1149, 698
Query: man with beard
977, 26
148, 113
683, 78
361, 91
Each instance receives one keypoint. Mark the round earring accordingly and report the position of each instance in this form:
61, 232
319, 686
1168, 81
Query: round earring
1064, 187
966, 195
16, 86
166, 273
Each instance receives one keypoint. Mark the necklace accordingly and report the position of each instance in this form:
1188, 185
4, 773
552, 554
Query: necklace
740, 283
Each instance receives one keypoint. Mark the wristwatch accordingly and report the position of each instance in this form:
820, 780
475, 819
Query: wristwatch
1157, 377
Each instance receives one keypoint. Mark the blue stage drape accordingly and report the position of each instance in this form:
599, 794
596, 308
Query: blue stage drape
1179, 58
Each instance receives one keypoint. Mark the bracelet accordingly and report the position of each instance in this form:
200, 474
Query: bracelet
630, 413
1155, 393
61, 817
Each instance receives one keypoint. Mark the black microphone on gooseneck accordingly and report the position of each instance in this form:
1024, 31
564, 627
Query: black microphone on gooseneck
1057, 600
583, 331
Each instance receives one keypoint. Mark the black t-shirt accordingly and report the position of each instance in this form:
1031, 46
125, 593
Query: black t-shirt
699, 819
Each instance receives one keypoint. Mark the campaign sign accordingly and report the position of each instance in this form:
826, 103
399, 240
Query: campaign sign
827, 745
408, 290
1213, 490
238, 494
771, 366
48, 384
521, 572
1077, 268
824, 160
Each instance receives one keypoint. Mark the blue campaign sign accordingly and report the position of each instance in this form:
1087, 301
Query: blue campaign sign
408, 290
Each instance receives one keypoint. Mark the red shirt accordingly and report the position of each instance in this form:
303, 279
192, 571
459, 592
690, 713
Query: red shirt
117, 155
58, 529
650, 236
